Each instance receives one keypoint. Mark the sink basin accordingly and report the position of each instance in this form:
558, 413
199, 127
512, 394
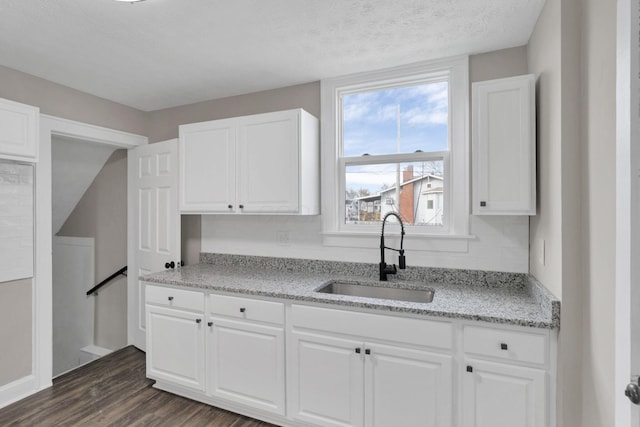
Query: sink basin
380, 292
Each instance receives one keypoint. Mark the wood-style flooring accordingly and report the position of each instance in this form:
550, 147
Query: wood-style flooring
113, 391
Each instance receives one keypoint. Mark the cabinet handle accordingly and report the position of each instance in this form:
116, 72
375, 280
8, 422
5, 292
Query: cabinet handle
469, 368
230, 206
504, 346
367, 351
358, 350
198, 320
169, 264
242, 309
209, 324
170, 298
483, 204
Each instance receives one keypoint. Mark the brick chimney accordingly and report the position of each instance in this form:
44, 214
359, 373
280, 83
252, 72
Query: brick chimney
406, 196
407, 173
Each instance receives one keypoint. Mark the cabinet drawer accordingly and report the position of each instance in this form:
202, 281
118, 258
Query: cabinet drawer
505, 344
177, 298
423, 332
246, 308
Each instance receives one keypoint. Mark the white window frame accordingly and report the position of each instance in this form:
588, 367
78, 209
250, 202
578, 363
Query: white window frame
456, 72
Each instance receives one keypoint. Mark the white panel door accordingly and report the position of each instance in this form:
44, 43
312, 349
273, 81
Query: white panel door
325, 377
268, 162
502, 395
406, 387
154, 223
246, 362
207, 166
176, 346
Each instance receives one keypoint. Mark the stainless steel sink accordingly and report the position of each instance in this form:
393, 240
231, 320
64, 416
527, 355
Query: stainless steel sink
380, 292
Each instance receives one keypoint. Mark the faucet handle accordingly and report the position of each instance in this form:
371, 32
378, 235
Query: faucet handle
402, 263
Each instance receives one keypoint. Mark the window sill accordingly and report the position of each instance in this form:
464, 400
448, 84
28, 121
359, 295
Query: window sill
413, 242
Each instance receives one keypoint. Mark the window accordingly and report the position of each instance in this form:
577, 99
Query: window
397, 140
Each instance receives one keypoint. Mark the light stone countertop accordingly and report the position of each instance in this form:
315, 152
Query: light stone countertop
524, 302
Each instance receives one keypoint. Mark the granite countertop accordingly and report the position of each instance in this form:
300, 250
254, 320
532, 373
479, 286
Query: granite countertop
497, 298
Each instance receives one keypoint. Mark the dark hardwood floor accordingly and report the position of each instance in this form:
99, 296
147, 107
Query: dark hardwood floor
113, 391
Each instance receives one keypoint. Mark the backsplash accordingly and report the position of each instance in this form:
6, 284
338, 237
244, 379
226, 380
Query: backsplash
498, 243
369, 270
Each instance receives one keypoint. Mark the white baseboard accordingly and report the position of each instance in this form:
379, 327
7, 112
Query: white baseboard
18, 389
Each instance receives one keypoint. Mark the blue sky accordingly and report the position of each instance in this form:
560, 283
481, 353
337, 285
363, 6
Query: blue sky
370, 122
370, 125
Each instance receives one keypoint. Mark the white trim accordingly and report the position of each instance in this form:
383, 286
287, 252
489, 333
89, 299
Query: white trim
18, 389
457, 69
42, 291
627, 230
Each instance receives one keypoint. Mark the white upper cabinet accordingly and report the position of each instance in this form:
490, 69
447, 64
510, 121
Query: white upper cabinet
19, 126
208, 166
260, 164
504, 146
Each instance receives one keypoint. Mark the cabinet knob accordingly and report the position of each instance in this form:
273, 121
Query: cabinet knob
209, 324
358, 350
198, 320
367, 351
469, 368
483, 204
241, 206
242, 309
504, 346
170, 298
230, 206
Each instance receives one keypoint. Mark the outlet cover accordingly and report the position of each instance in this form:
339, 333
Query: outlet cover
282, 237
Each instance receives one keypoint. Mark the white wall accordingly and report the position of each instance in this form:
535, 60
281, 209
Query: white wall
501, 244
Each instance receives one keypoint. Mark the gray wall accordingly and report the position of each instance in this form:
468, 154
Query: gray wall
101, 213
598, 163
15, 330
163, 124
67, 103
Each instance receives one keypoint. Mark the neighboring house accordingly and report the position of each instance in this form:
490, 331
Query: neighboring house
421, 201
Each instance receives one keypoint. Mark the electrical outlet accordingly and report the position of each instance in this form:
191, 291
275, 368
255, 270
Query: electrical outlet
282, 237
541, 251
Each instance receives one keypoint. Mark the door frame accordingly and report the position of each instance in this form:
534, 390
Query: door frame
42, 309
627, 206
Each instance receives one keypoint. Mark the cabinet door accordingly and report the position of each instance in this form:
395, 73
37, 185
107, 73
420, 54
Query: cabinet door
207, 167
504, 153
246, 364
406, 387
502, 395
175, 347
19, 127
268, 162
325, 380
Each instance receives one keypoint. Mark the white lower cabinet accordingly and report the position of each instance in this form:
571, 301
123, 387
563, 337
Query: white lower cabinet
306, 365
498, 394
357, 381
505, 377
407, 387
326, 380
246, 363
175, 347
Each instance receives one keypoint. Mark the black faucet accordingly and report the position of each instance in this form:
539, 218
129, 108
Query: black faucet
384, 268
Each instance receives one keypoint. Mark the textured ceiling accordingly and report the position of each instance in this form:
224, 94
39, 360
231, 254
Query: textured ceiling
162, 53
